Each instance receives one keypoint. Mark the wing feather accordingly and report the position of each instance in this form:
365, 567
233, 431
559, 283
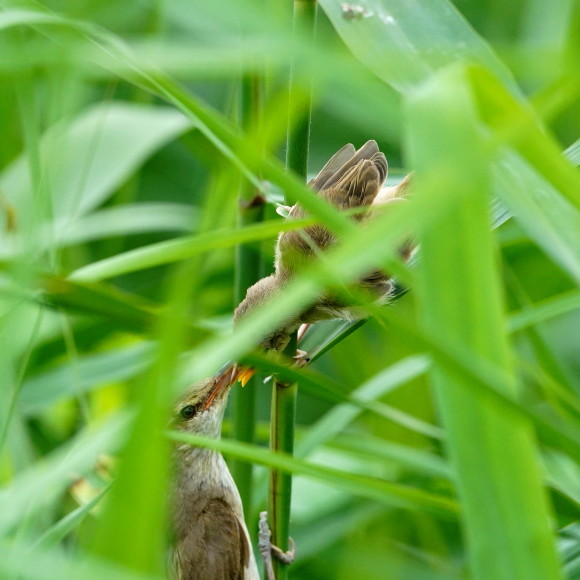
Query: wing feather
368, 151
214, 546
350, 179
332, 166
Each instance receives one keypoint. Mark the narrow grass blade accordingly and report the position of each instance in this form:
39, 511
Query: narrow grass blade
70, 522
380, 490
181, 249
36, 487
40, 391
103, 145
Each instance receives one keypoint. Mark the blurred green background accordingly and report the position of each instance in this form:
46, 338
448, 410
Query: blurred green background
120, 132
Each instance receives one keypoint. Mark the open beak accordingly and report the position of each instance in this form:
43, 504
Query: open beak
245, 374
226, 378
223, 381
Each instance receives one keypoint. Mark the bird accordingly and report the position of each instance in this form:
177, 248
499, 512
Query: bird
211, 540
351, 179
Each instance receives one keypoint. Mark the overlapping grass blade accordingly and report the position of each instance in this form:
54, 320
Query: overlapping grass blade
171, 251
350, 406
405, 42
40, 484
130, 219
461, 298
56, 562
545, 310
383, 451
88, 158
389, 493
120, 364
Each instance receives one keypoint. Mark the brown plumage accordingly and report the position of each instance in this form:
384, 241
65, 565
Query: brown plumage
350, 179
211, 540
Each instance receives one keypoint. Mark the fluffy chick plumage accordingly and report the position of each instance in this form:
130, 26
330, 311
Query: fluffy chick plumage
350, 179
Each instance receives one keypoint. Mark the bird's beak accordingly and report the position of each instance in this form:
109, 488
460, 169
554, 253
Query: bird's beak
245, 374
223, 381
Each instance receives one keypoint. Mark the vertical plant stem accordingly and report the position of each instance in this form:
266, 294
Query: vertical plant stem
249, 269
282, 439
284, 395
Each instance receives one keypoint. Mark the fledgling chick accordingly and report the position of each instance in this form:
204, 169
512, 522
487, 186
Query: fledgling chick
210, 537
351, 179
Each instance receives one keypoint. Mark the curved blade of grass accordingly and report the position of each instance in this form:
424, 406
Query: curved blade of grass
405, 42
483, 378
379, 490
364, 398
562, 474
88, 158
126, 220
119, 308
548, 219
55, 534
342, 330
36, 487
515, 124
320, 533
181, 249
545, 310
380, 450
340, 416
38, 392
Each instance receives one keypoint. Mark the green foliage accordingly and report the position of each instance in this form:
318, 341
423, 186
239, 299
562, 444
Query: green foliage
437, 440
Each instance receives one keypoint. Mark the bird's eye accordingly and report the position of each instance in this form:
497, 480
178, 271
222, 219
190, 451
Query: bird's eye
188, 412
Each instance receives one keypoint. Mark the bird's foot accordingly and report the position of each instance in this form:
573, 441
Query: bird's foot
268, 550
301, 357
286, 557
283, 210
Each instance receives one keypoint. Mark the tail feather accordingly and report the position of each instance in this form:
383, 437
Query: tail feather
367, 151
362, 182
338, 160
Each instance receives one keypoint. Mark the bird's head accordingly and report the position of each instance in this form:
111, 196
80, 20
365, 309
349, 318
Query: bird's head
200, 409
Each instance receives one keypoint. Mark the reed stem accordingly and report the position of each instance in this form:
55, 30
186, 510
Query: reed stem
248, 270
284, 395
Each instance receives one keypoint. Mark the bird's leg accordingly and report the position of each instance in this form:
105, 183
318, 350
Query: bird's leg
265, 545
267, 549
302, 331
